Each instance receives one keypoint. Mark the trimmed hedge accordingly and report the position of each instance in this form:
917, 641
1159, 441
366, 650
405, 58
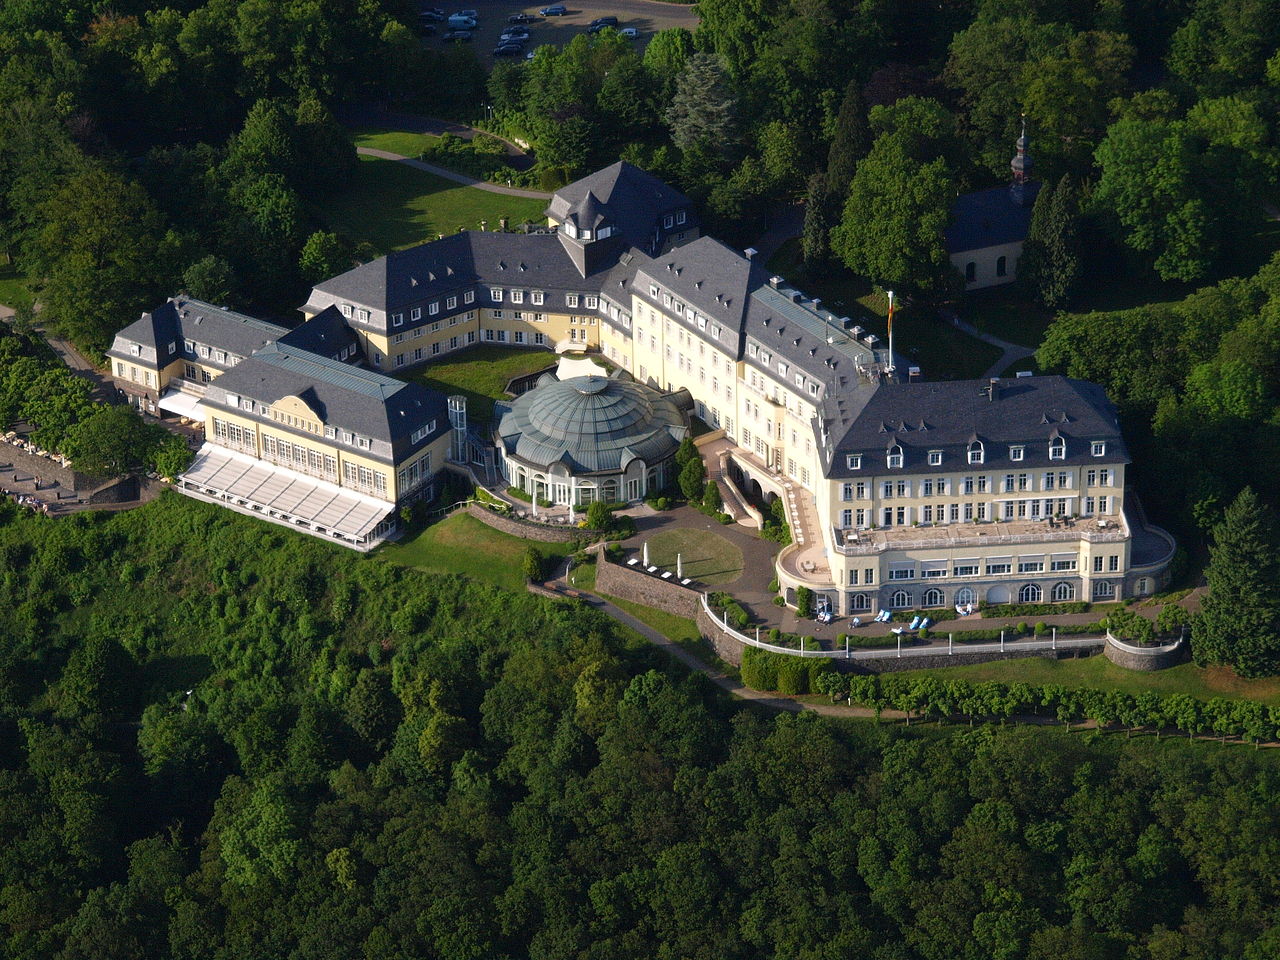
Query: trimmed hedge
790, 676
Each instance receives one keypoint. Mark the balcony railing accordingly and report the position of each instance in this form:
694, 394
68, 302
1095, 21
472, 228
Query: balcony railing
873, 544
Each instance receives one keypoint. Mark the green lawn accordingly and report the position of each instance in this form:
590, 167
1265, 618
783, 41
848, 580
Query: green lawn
706, 555
1005, 314
1100, 673
679, 630
13, 286
462, 544
942, 352
481, 374
394, 206
395, 141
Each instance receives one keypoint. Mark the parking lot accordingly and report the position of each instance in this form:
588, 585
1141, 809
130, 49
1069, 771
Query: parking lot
646, 16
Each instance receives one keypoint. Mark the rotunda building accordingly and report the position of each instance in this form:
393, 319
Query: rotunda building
591, 438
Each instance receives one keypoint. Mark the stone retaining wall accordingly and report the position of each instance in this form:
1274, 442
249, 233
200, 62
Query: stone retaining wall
896, 664
638, 587
1155, 660
527, 530
26, 464
727, 648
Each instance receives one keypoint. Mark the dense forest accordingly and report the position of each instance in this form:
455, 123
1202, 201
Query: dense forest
222, 739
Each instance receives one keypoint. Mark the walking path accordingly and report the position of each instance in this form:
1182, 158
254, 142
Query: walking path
451, 175
1013, 352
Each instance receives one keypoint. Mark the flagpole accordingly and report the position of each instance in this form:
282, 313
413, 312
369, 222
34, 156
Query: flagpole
891, 366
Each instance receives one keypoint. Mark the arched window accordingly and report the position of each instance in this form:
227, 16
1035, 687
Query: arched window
859, 603
965, 595
894, 457
933, 598
970, 271
900, 600
1057, 449
1063, 591
1103, 590
1002, 266
976, 453
1030, 593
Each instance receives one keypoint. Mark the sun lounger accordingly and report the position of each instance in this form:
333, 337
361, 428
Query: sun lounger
634, 560
915, 622
926, 623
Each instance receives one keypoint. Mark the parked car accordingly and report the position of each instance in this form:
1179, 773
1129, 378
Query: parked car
458, 22
629, 32
431, 14
457, 36
516, 33
555, 10
604, 22
521, 18
473, 14
425, 29
508, 50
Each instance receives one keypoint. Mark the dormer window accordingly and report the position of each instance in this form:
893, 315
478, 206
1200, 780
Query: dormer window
135, 349
496, 294
173, 347
1057, 449
935, 458
680, 216
853, 461
585, 234
976, 452
570, 229
1098, 448
1016, 452
668, 221
893, 458
415, 313
397, 319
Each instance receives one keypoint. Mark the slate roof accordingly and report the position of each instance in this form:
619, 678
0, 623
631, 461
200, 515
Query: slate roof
591, 425
948, 415
987, 218
633, 200
350, 398
326, 333
184, 318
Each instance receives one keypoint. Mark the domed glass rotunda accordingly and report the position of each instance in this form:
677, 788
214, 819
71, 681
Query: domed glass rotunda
591, 438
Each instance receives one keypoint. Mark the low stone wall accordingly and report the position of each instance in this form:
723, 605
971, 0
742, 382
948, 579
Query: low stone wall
639, 587
27, 464
1146, 660
527, 530
120, 490
726, 647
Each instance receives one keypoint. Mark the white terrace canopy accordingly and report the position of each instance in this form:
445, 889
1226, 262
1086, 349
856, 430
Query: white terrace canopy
284, 496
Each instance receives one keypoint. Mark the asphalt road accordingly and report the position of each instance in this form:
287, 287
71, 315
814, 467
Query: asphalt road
646, 16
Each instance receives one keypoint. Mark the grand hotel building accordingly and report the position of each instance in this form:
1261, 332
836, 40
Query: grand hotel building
902, 493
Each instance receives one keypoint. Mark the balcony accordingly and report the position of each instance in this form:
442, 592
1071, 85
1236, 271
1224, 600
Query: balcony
861, 543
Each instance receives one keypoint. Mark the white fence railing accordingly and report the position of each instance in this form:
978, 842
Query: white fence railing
876, 545
884, 653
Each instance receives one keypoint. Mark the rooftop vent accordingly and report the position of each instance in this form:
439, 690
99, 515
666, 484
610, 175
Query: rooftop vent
774, 281
1023, 373
750, 252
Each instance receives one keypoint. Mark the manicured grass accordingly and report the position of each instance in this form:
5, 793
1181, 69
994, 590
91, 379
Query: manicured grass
706, 556
1100, 673
394, 206
462, 544
679, 630
919, 336
481, 374
403, 142
13, 286
1005, 314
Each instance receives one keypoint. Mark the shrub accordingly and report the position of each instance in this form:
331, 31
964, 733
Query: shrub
774, 634
724, 518
924, 633
779, 602
1032, 609
792, 674
773, 585
1041, 628
1022, 628
599, 516
531, 564
711, 497
1171, 619
804, 602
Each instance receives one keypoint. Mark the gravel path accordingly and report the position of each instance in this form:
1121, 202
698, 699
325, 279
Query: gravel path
451, 175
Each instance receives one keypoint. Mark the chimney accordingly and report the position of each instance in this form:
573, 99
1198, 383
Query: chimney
750, 252
994, 391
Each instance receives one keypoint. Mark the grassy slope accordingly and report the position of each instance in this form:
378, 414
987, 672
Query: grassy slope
462, 544
394, 206
13, 286
679, 630
482, 374
396, 141
1100, 673
706, 555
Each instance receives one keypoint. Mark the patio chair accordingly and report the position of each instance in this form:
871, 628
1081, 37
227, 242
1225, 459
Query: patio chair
915, 622
926, 623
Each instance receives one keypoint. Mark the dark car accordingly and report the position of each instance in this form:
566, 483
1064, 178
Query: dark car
508, 50
515, 33
555, 10
521, 18
604, 22
431, 15
425, 29
458, 36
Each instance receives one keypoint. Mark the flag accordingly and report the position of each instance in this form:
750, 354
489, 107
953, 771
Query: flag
891, 313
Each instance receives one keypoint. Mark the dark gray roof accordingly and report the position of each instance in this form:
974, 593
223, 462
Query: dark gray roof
987, 218
592, 425
183, 318
470, 260
326, 333
634, 201
350, 398
949, 415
